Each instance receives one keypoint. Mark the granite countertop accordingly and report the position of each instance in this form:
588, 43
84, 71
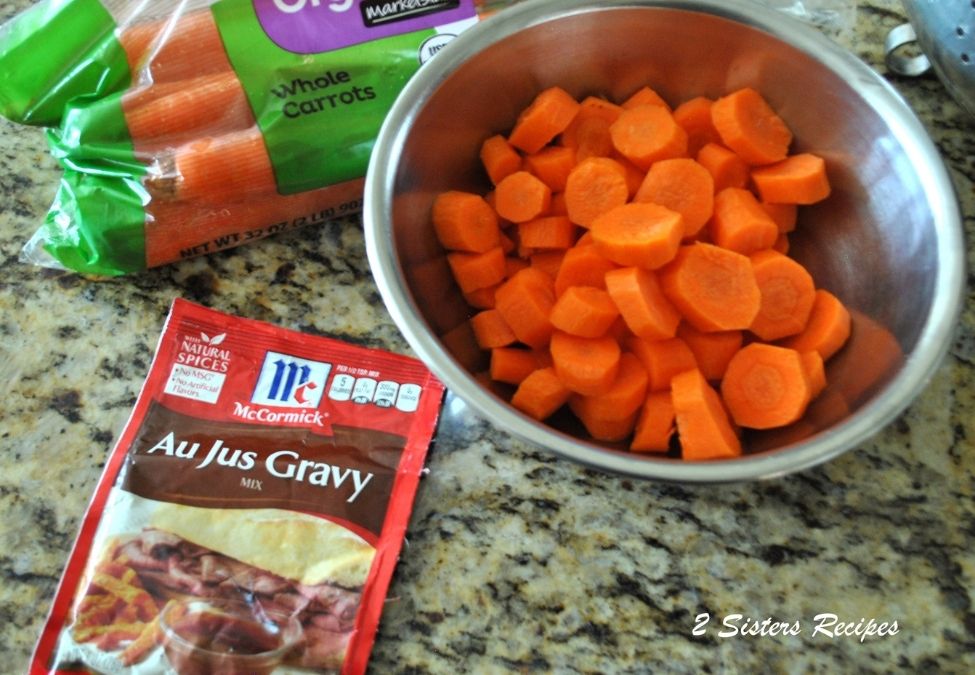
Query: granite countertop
516, 560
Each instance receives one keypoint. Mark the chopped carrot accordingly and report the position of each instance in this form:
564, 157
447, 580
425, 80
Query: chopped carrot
586, 366
682, 185
648, 133
549, 262
491, 330
582, 265
694, 117
656, 423
703, 426
712, 351
634, 175
464, 221
594, 186
713, 288
645, 96
827, 329
552, 165
812, 363
663, 359
215, 170
788, 294
584, 311
748, 125
784, 215
540, 394
507, 243
545, 118
740, 223
638, 234
588, 133
482, 298
602, 429
624, 396
525, 301
557, 206
521, 196
781, 244
461, 344
589, 107
726, 168
642, 303
765, 386
473, 271
797, 179
547, 232
513, 264
499, 158
512, 365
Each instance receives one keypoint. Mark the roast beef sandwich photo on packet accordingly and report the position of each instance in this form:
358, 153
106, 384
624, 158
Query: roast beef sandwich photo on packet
251, 515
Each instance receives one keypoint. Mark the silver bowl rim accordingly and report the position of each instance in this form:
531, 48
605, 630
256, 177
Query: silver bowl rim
932, 344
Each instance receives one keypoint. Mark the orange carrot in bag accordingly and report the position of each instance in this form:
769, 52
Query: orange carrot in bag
545, 118
176, 230
682, 185
474, 271
499, 158
540, 394
648, 133
525, 301
827, 329
642, 303
797, 179
464, 221
584, 311
656, 423
216, 169
766, 386
176, 49
788, 294
207, 105
748, 125
638, 234
703, 426
740, 223
713, 288
586, 366
594, 186
491, 330
520, 196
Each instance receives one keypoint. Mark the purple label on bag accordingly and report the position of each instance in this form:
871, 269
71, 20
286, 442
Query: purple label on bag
313, 26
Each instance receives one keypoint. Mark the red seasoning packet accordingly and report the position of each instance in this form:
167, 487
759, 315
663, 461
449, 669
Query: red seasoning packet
251, 514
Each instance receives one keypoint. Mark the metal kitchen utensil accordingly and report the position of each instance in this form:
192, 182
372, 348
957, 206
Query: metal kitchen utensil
944, 30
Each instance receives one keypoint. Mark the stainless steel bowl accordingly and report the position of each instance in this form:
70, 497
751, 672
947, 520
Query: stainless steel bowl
888, 241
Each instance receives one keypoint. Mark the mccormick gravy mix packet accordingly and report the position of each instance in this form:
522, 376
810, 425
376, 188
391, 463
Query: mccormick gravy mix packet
251, 514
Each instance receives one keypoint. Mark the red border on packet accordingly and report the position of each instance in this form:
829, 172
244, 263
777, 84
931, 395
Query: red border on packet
420, 429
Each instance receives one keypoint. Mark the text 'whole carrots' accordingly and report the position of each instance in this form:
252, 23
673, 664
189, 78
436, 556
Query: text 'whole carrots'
630, 265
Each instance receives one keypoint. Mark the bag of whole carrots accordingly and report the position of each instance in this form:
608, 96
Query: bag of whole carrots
190, 126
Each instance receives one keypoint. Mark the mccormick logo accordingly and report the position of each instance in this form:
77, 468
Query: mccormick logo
290, 382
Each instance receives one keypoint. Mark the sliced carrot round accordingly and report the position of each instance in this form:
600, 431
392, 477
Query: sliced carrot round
766, 386
586, 366
638, 235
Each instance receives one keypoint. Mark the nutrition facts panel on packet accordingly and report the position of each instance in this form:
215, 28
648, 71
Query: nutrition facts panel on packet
382, 393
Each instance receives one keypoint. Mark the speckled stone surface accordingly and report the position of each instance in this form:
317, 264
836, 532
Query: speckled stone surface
517, 561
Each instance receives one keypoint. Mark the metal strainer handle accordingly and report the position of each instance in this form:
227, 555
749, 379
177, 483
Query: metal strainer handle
898, 62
